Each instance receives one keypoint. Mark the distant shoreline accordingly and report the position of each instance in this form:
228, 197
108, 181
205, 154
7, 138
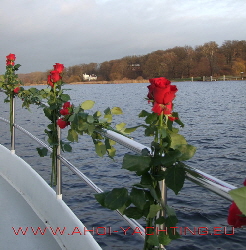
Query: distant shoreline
95, 82
111, 82
207, 79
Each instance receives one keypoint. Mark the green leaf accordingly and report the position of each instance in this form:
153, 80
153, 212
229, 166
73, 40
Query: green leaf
163, 132
107, 143
72, 117
116, 198
178, 121
151, 118
149, 131
173, 234
176, 140
120, 126
16, 67
111, 152
87, 104
65, 97
103, 120
107, 111
171, 221
72, 135
91, 128
154, 193
76, 110
146, 180
143, 113
170, 158
116, 111
153, 240
67, 147
42, 151
47, 113
101, 197
239, 196
138, 197
109, 118
161, 175
160, 220
175, 177
154, 208
130, 130
97, 114
133, 212
164, 238
90, 119
157, 160
170, 211
81, 125
139, 164
100, 149
187, 151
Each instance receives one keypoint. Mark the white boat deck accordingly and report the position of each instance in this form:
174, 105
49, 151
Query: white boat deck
28, 202
16, 213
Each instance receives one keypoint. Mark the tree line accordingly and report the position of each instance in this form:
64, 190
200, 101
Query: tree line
208, 59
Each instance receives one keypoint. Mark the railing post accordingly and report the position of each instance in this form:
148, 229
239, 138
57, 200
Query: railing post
59, 168
163, 189
12, 121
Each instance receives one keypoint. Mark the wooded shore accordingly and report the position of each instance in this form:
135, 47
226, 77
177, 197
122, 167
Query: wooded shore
96, 82
111, 82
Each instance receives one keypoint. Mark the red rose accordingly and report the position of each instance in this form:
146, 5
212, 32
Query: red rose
67, 105
162, 93
50, 82
64, 112
61, 123
161, 81
171, 118
11, 57
55, 76
59, 67
157, 108
16, 90
235, 217
8, 62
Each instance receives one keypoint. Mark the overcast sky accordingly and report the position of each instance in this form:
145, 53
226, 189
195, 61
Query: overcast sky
72, 32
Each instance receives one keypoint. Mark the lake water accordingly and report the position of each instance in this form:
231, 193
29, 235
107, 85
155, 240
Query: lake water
214, 117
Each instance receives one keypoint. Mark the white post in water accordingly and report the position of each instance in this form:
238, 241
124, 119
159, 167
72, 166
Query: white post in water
211, 78
59, 168
203, 78
192, 78
223, 77
12, 126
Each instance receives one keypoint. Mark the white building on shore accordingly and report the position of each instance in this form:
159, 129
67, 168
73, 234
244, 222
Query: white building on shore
89, 77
